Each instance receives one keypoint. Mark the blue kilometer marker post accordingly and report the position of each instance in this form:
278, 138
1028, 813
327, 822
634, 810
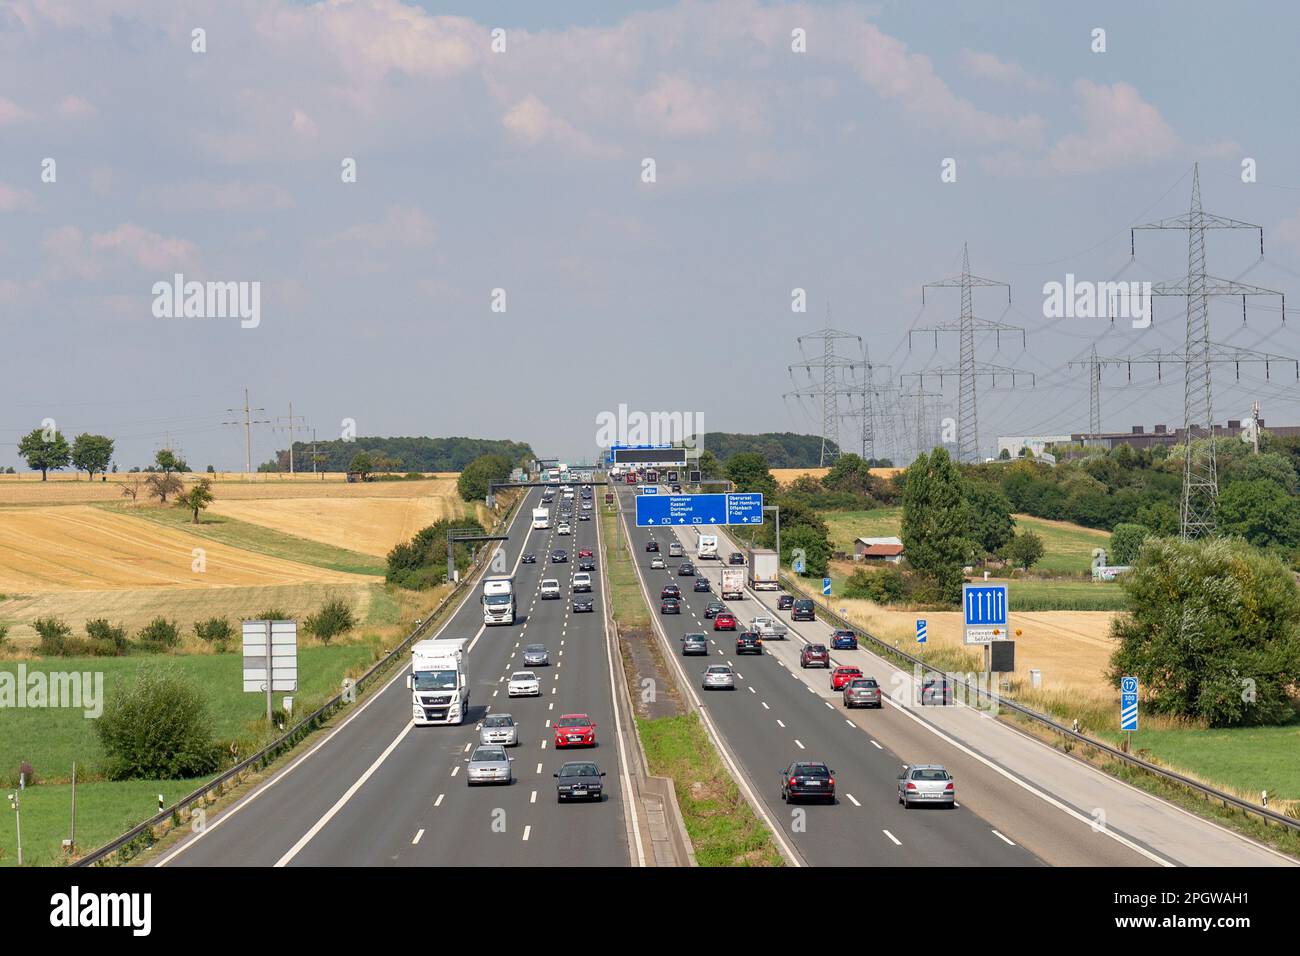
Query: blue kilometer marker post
826, 587
920, 630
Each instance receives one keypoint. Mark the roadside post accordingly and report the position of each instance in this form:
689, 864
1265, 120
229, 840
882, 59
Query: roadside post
270, 658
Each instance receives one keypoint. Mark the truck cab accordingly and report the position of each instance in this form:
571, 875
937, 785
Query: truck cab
438, 684
498, 600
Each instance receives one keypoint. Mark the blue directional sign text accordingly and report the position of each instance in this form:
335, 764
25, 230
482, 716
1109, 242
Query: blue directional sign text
656, 510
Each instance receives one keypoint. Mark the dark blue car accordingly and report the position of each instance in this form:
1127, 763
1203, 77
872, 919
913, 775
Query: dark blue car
844, 641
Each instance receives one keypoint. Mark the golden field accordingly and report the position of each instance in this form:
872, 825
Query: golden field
28, 489
784, 476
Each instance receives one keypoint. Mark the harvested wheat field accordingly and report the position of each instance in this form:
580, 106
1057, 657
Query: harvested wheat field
1071, 648
78, 547
784, 476
369, 525
136, 608
72, 489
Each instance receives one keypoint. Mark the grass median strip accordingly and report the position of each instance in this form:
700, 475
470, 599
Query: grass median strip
723, 828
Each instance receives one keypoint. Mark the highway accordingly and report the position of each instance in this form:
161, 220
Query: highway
379, 791
774, 717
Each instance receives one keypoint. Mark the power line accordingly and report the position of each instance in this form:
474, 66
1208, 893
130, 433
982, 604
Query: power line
248, 423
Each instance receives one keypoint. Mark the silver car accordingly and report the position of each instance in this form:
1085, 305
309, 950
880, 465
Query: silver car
926, 783
499, 729
862, 692
489, 763
719, 677
535, 656
657, 562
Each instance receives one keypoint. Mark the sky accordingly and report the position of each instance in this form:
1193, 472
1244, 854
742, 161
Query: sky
501, 268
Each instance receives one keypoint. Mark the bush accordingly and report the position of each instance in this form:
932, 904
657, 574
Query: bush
109, 638
889, 585
274, 614
54, 635
160, 634
4, 633
156, 727
217, 631
335, 617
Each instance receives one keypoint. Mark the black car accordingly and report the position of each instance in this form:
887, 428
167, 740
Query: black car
695, 644
586, 564
584, 606
748, 642
584, 517
785, 602
578, 780
670, 606
559, 556
736, 558
701, 585
685, 570
652, 546
529, 559
815, 655
670, 591
713, 608
803, 610
808, 779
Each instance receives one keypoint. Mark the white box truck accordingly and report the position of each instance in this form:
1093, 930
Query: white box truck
764, 570
439, 687
541, 519
498, 599
706, 547
733, 584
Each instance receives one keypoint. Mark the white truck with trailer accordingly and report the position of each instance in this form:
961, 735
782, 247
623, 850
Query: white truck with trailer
438, 684
498, 599
764, 570
769, 628
733, 584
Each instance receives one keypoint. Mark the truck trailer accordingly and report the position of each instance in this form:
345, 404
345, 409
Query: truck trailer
733, 584
764, 570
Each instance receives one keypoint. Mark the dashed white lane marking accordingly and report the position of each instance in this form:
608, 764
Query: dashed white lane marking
764, 703
801, 746
1002, 838
852, 799
897, 841
455, 770
752, 691
527, 830
420, 833
539, 768
780, 723
533, 797
876, 745
467, 746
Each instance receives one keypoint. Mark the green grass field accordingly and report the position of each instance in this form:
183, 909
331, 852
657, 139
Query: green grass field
1066, 596
252, 537
625, 597
1252, 759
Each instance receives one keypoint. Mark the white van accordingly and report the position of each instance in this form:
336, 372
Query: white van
581, 582
550, 589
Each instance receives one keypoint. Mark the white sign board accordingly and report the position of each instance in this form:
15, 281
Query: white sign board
280, 638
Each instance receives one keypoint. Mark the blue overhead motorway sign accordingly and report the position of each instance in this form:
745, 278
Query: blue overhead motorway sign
654, 510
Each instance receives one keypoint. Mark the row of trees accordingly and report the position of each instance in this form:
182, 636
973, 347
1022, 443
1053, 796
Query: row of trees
422, 562
47, 451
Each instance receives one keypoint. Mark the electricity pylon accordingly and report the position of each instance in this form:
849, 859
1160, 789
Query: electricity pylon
833, 383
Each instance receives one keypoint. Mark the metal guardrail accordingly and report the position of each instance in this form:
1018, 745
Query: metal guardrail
1269, 816
125, 845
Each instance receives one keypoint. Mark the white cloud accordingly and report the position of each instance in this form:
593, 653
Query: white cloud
74, 107
11, 112
406, 226
987, 66
303, 124
13, 199
1120, 130
208, 196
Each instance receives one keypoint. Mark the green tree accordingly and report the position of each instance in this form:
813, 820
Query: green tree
1211, 632
197, 498
160, 485
362, 464
991, 525
91, 453
1261, 512
335, 617
157, 727
45, 453
935, 523
479, 474
710, 467
1125, 543
1273, 467
1024, 550
850, 473
748, 472
816, 548
167, 461
160, 634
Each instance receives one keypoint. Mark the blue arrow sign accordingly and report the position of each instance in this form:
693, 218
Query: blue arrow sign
985, 605
920, 630
826, 587
1128, 703
655, 510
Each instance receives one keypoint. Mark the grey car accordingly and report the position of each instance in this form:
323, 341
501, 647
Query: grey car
499, 729
695, 644
579, 780
489, 763
926, 783
719, 677
862, 692
535, 656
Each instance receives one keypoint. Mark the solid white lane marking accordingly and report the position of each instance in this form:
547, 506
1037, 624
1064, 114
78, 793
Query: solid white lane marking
1002, 838
897, 841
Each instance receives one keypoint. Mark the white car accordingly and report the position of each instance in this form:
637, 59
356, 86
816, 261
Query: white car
563, 529
550, 589
524, 684
581, 582
657, 562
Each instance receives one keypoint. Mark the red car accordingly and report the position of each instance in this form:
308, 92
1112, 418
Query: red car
815, 655
842, 675
725, 621
586, 553
575, 730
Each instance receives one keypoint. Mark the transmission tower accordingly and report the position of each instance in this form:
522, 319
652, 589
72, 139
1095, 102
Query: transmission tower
291, 425
968, 369
248, 422
834, 381
1200, 468
873, 399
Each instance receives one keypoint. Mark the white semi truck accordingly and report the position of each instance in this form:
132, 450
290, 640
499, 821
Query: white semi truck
706, 547
541, 519
498, 599
439, 687
733, 584
764, 570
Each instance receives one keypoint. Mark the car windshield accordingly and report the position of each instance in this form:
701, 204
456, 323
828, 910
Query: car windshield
811, 770
719, 669
579, 770
935, 774
535, 649
803, 603
577, 721
490, 753
816, 649
865, 682
435, 680
523, 675
499, 720
549, 584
